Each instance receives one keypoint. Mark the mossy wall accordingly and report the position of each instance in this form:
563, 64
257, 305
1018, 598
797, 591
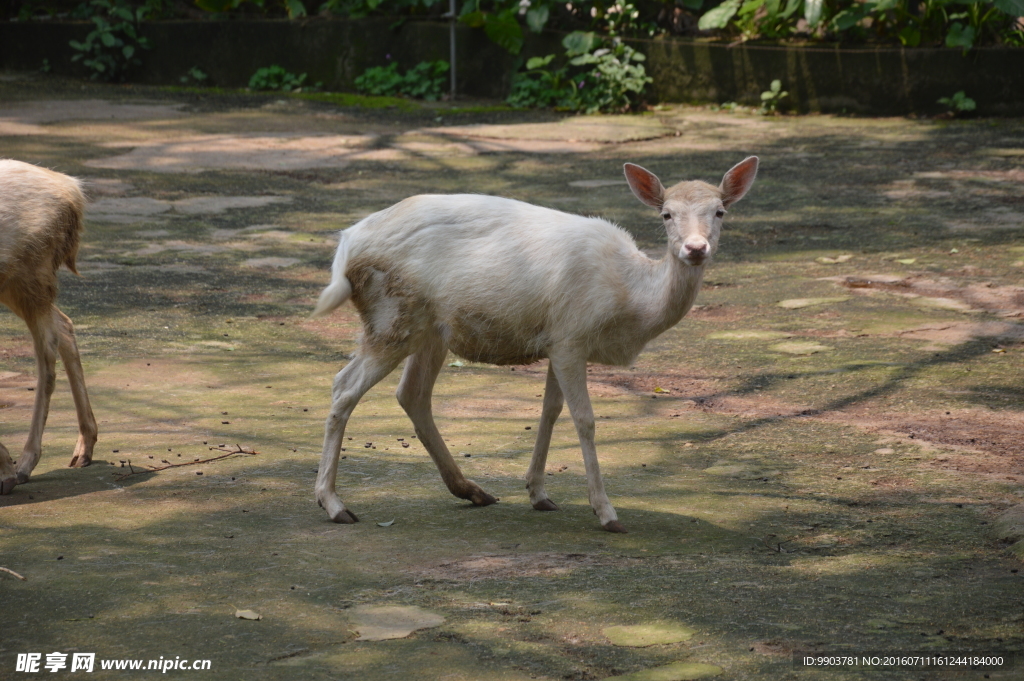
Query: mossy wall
881, 81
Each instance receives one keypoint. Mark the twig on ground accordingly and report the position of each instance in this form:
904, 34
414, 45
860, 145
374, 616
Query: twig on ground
777, 548
12, 572
219, 448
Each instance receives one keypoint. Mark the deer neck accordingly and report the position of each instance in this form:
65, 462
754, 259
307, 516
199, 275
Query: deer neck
671, 288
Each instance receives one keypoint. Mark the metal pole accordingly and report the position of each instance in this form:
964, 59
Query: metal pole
451, 34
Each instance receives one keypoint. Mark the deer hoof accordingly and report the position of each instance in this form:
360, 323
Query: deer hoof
80, 461
345, 517
615, 526
482, 498
7, 484
545, 505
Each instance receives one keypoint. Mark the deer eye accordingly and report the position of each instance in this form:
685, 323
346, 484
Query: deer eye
666, 216
719, 213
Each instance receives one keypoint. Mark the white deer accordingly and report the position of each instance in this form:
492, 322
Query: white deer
40, 226
500, 281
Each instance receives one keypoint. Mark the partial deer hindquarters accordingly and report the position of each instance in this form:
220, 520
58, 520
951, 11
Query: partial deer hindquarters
40, 227
500, 281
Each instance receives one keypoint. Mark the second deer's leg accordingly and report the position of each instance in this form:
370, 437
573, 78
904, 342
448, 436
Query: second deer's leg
8, 476
571, 373
351, 383
45, 341
414, 393
68, 348
553, 401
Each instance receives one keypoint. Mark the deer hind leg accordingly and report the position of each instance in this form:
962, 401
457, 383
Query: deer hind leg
362, 373
68, 348
8, 476
45, 339
571, 373
414, 393
553, 400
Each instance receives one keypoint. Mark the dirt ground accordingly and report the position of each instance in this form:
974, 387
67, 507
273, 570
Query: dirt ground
811, 462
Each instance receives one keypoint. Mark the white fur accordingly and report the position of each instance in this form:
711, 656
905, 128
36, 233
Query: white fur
40, 225
506, 282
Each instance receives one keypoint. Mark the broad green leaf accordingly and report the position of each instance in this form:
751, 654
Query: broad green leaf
539, 62
579, 42
504, 30
960, 36
812, 11
1015, 8
791, 7
750, 6
910, 36
719, 17
848, 19
296, 9
475, 19
127, 51
537, 17
108, 39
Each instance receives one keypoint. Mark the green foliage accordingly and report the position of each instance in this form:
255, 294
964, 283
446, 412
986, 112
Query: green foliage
112, 47
426, 80
953, 23
500, 24
194, 76
294, 9
771, 98
278, 78
597, 75
959, 103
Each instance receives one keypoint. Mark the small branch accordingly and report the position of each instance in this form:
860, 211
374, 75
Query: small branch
220, 448
12, 572
777, 548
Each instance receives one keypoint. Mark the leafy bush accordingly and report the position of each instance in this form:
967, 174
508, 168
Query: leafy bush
278, 78
959, 103
599, 75
111, 48
771, 98
426, 80
194, 76
953, 23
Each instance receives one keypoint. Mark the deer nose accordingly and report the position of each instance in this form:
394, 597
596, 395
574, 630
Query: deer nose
696, 248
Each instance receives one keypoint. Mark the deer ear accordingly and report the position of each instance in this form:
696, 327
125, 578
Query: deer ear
738, 180
645, 185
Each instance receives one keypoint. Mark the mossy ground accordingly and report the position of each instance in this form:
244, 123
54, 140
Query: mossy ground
778, 497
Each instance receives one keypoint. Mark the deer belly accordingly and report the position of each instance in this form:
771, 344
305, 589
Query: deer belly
480, 337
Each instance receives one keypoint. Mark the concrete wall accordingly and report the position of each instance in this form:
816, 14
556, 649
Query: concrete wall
893, 81
889, 81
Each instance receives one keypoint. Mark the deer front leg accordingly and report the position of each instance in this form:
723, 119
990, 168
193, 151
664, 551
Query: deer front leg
351, 383
68, 348
45, 340
414, 394
553, 401
571, 373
